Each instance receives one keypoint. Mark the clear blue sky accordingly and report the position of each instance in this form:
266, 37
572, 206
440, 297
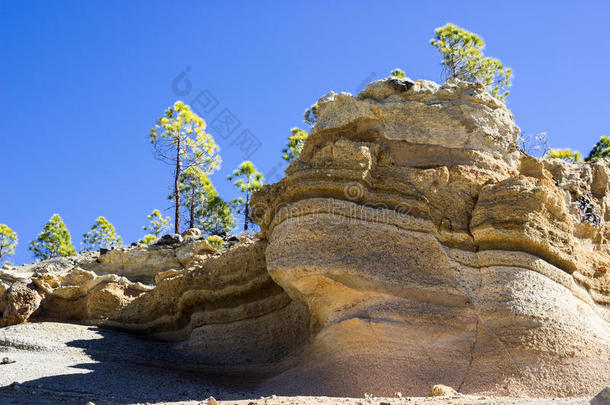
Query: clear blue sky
81, 83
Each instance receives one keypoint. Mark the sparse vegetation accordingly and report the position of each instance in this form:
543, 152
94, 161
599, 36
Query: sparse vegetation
8, 242
53, 241
247, 180
216, 241
179, 139
463, 58
296, 140
148, 239
564, 154
537, 145
101, 235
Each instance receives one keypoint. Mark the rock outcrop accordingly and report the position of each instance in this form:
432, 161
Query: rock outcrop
19, 302
430, 249
221, 309
411, 244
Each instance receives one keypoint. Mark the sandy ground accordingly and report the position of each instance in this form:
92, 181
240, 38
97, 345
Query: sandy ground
58, 363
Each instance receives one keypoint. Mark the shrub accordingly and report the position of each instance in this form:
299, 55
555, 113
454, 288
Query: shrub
564, 154
216, 241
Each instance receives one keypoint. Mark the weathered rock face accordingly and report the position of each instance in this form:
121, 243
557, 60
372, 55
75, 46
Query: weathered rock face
19, 301
220, 309
142, 262
412, 244
225, 310
429, 249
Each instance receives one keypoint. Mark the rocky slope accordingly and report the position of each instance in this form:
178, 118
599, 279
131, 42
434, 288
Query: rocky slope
411, 244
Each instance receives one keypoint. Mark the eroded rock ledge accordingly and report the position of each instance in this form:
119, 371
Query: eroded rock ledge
411, 244
221, 308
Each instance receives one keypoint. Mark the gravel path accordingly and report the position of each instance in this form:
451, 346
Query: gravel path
58, 363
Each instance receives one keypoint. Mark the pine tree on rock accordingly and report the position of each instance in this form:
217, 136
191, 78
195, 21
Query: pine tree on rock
179, 139
215, 217
196, 189
247, 180
600, 150
157, 227
8, 242
53, 241
296, 140
101, 235
463, 59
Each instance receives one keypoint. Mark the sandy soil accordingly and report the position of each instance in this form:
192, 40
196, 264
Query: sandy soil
56, 363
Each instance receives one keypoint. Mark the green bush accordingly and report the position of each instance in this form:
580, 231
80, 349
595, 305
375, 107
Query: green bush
216, 241
148, 239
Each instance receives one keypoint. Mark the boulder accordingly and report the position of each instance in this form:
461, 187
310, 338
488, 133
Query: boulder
191, 233
441, 390
19, 302
170, 239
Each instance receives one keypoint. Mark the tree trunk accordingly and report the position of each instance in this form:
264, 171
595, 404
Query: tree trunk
192, 207
246, 210
176, 189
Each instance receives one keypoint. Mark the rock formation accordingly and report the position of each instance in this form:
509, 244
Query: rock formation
221, 309
429, 249
412, 244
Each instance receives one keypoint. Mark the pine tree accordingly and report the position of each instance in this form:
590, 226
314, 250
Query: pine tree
600, 150
296, 141
215, 217
157, 227
8, 242
247, 180
179, 138
53, 241
101, 235
196, 188
463, 58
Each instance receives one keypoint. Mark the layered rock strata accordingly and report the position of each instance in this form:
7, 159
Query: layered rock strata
429, 249
223, 309
412, 244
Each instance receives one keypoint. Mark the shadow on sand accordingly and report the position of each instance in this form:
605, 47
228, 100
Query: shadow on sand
120, 368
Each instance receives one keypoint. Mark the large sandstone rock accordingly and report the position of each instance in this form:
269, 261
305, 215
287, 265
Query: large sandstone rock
225, 310
19, 301
142, 263
412, 244
428, 248
221, 310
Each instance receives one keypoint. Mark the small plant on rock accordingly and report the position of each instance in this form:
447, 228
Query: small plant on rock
296, 140
216, 241
398, 73
568, 155
158, 225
